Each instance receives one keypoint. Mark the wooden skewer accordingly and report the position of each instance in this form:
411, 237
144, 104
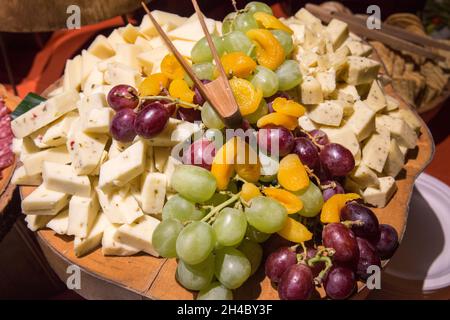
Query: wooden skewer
218, 92
355, 26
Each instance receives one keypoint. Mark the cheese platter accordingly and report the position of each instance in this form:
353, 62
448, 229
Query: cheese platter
96, 187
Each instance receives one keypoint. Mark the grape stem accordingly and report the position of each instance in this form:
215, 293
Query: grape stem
312, 139
173, 99
224, 204
349, 223
312, 174
328, 264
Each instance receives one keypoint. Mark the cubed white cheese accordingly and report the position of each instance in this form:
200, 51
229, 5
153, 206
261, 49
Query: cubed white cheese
345, 137
306, 124
63, 178
126, 54
44, 202
376, 99
98, 120
391, 103
73, 74
83, 246
163, 18
379, 197
192, 31
311, 91
395, 160
337, 32
36, 222
364, 177
362, 121
171, 164
101, 48
399, 129
361, 70
82, 214
153, 192
88, 63
56, 134
329, 113
299, 33
112, 247
327, 80
160, 156
129, 33
409, 116
59, 223
20, 177
33, 163
306, 18
375, 152
119, 73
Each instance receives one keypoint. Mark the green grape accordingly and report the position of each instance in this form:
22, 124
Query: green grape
285, 39
244, 21
253, 252
201, 52
227, 24
230, 226
210, 117
266, 80
232, 267
194, 183
262, 110
256, 235
256, 6
204, 71
289, 75
266, 215
195, 242
216, 199
215, 291
312, 200
196, 277
237, 41
180, 209
165, 237
188, 80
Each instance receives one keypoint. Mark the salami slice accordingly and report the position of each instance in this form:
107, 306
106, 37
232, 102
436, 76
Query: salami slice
6, 160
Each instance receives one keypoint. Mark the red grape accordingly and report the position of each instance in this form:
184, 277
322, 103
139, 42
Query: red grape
307, 151
369, 229
329, 192
122, 125
319, 137
297, 283
151, 120
367, 257
200, 153
189, 114
337, 159
339, 283
342, 240
323, 174
388, 242
123, 96
271, 136
278, 262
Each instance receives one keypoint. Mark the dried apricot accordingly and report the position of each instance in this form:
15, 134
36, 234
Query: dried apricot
171, 68
238, 64
222, 167
292, 174
247, 166
269, 52
288, 107
290, 201
270, 22
153, 84
179, 89
331, 210
295, 231
278, 119
249, 191
247, 97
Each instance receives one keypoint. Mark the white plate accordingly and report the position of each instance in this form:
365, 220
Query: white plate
424, 254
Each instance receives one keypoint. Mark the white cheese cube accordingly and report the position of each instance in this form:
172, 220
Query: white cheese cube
28, 148
73, 74
58, 130
36, 222
153, 192
348, 89
61, 177
160, 155
184, 47
112, 247
20, 177
117, 147
307, 58
399, 129
34, 162
88, 63
375, 152
163, 18
171, 164
123, 168
305, 123
311, 91
192, 31
328, 113
150, 61
364, 177
327, 80
119, 206
59, 223
344, 137
44, 113
362, 121
376, 99
306, 18
44, 202
175, 131
94, 80
103, 159
395, 160
299, 33
16, 146
126, 54
37, 137
352, 186
82, 214
361, 70
101, 48
358, 48
139, 234
409, 116
337, 32
143, 44
379, 197
118, 73
98, 120
391, 103
129, 33
83, 246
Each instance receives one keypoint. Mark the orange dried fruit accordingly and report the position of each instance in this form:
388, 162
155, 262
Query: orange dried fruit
270, 22
179, 89
278, 119
331, 210
269, 52
292, 174
290, 201
249, 191
295, 231
222, 167
171, 68
247, 166
153, 84
288, 107
238, 64
247, 97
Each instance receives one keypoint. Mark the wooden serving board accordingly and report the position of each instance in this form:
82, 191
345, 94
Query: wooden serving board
146, 277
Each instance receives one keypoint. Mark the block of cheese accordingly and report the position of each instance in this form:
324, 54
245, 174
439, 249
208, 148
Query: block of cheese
299, 33
337, 32
184, 47
171, 164
115, 38
409, 117
176, 131
20, 177
311, 91
361, 70
364, 177
34, 162
306, 18
16, 146
101, 48
399, 130
127, 54
28, 148
192, 31
358, 48
380, 196
118, 73
63, 178
391, 103
82, 214
153, 192
103, 159
129, 33
345, 137
36, 222
93, 80
395, 160
362, 121
59, 223
376, 99
347, 89
98, 120
119, 206
117, 147
44, 113
306, 124
307, 58
339, 61
352, 186
329, 113
83, 246
73, 74
88, 63
139, 234
37, 137
44, 202
160, 156
327, 80
143, 44
112, 247
56, 134
163, 18
123, 168
375, 151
